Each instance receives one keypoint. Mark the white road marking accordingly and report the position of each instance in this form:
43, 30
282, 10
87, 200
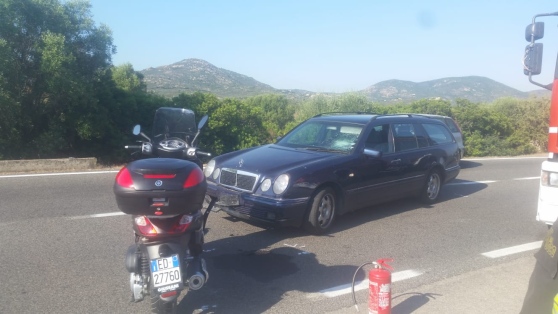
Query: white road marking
97, 215
489, 181
513, 249
504, 158
471, 182
346, 289
55, 174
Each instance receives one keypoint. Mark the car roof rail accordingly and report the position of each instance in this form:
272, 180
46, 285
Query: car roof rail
428, 115
410, 115
362, 112
342, 112
375, 115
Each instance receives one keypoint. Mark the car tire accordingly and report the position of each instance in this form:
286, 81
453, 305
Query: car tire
321, 214
432, 187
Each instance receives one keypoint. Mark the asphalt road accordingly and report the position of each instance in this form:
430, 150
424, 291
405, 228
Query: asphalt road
60, 253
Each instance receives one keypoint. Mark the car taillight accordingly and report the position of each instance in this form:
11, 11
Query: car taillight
145, 226
124, 178
194, 178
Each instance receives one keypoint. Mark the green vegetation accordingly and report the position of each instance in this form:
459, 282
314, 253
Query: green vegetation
61, 96
506, 127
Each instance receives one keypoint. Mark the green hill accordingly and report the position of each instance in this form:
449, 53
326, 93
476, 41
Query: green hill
195, 75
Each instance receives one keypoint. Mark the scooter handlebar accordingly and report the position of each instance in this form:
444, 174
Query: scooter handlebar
203, 153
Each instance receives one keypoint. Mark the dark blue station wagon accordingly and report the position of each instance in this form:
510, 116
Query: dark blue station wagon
332, 164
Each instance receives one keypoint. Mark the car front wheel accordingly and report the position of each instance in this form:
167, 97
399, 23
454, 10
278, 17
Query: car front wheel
431, 189
322, 212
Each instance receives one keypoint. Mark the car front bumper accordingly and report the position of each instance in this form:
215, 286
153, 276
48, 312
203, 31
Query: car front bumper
282, 212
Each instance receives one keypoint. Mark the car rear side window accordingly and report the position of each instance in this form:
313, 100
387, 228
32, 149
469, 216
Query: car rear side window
438, 134
422, 138
404, 136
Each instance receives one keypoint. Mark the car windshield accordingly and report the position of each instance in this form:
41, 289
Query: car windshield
323, 136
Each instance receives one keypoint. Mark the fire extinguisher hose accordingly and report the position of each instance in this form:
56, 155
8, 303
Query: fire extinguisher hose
353, 285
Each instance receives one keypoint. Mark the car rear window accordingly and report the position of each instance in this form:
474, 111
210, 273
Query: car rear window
451, 125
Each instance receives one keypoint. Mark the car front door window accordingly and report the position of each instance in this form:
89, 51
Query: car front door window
378, 139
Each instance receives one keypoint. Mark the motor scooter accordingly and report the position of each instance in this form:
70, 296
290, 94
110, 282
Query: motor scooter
164, 194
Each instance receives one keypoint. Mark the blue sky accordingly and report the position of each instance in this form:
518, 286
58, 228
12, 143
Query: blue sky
333, 46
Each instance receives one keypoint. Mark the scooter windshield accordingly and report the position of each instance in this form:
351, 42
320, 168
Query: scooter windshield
174, 122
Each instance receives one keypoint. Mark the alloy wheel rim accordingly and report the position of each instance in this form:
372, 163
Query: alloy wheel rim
325, 210
433, 186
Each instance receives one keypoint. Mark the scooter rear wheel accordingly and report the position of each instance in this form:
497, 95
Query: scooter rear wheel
159, 306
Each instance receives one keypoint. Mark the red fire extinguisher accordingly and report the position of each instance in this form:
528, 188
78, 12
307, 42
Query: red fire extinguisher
379, 277
379, 285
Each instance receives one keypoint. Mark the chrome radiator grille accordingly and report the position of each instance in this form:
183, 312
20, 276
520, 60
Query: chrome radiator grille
238, 179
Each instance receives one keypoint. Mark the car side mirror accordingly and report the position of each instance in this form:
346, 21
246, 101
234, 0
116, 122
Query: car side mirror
202, 122
372, 153
137, 129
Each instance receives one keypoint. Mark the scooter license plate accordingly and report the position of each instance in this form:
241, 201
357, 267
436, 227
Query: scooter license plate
165, 271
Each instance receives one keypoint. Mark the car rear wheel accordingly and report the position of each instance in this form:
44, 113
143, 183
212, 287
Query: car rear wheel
431, 189
322, 213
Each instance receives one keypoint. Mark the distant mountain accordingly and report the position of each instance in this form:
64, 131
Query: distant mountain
540, 93
473, 88
192, 75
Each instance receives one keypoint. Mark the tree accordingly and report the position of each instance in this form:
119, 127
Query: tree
351, 102
431, 106
128, 79
484, 128
277, 114
53, 56
530, 123
232, 123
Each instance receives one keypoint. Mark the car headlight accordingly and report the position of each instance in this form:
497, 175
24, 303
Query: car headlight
280, 184
266, 184
549, 178
208, 170
216, 173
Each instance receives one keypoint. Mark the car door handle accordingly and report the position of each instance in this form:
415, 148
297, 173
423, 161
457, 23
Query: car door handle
395, 161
